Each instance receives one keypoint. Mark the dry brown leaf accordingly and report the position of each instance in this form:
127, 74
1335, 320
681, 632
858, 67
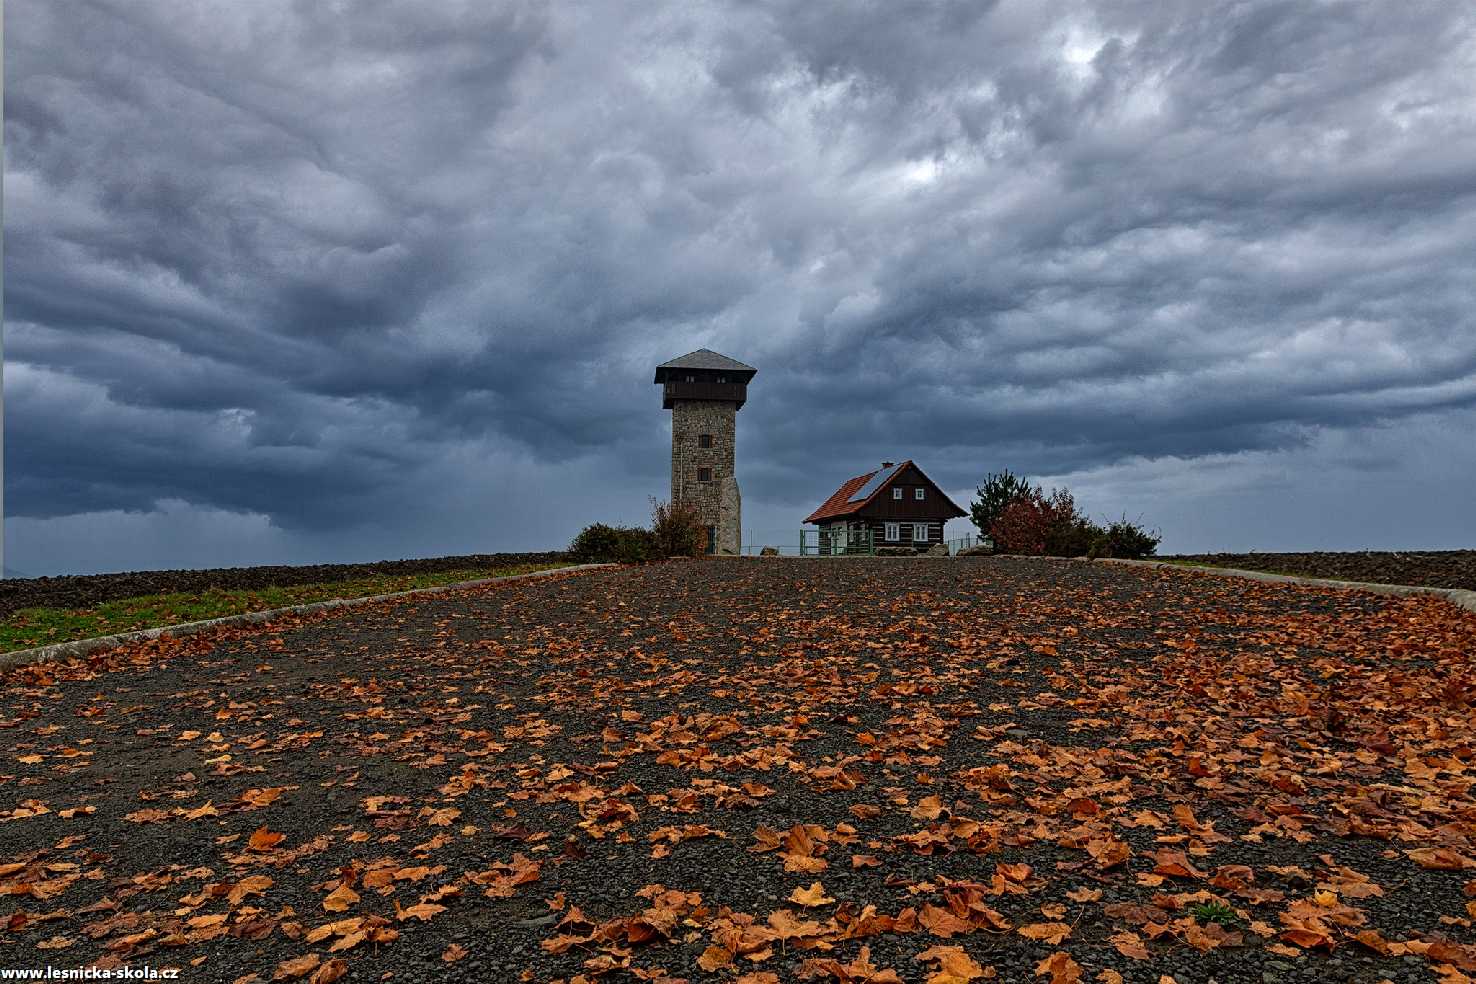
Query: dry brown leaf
941, 922
422, 911
263, 839
340, 899
1051, 933
714, 957
296, 967
330, 971
1441, 859
1061, 967
811, 897
250, 885
955, 966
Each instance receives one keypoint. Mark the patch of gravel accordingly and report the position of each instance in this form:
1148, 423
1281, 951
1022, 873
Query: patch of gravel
573, 722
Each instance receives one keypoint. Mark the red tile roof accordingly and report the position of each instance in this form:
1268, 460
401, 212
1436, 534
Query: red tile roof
839, 504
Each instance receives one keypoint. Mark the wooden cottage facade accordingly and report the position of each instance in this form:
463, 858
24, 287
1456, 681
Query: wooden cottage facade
896, 505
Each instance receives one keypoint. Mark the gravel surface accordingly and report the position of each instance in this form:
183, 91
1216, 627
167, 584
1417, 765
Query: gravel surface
1431, 568
84, 590
763, 770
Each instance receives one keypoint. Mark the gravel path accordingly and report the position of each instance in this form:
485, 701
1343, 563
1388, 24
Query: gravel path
1430, 568
764, 770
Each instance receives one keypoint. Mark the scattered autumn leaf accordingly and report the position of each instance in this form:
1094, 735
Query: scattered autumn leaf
811, 897
263, 839
340, 899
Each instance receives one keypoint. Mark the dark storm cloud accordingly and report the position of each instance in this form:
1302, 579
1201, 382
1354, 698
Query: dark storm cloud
328, 265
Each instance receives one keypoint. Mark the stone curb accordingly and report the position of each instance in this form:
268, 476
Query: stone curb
1456, 596
82, 647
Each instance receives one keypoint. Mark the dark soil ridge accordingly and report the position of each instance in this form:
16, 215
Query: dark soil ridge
86, 590
1426, 568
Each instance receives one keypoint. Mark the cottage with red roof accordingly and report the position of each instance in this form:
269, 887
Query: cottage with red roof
894, 506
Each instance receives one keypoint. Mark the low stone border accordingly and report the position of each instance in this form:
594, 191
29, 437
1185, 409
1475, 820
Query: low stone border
83, 647
1456, 596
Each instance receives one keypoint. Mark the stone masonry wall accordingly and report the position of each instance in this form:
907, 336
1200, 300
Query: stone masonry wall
717, 501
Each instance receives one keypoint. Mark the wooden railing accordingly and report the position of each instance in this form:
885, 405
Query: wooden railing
733, 392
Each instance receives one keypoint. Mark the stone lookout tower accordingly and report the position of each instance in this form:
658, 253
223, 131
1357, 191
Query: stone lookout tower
704, 390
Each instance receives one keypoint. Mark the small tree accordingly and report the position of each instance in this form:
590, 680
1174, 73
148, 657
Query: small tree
995, 495
676, 529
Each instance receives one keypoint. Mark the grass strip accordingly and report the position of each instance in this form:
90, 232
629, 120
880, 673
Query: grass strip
30, 627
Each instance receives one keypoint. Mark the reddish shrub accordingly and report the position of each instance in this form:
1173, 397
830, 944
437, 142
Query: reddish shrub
1036, 523
1021, 528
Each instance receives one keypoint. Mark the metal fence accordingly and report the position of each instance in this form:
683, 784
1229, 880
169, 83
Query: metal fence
816, 543
828, 543
966, 541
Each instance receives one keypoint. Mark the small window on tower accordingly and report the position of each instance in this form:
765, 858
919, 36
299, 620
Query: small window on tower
704, 440
704, 474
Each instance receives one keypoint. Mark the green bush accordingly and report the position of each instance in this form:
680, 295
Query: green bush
1070, 534
601, 543
677, 530
1126, 540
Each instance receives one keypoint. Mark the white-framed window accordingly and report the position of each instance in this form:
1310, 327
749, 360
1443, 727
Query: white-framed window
919, 493
919, 531
894, 531
896, 493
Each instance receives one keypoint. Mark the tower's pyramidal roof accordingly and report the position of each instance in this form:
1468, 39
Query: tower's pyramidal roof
706, 359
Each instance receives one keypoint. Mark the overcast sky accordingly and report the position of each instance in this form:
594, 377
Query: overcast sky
307, 281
